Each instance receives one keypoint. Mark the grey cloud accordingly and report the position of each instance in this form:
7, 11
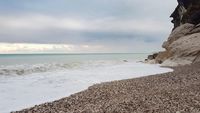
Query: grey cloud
112, 36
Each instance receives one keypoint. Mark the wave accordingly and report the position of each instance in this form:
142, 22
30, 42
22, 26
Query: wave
15, 91
25, 69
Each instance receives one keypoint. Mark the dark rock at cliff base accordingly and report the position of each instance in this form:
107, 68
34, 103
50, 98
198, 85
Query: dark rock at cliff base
125, 60
151, 57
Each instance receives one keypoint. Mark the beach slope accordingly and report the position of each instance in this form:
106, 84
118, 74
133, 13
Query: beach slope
174, 92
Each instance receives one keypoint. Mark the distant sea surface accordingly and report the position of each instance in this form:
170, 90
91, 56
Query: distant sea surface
29, 79
13, 59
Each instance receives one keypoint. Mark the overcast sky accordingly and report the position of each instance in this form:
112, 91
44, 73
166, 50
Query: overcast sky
84, 26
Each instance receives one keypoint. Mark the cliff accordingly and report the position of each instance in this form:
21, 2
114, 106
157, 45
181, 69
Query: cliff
183, 44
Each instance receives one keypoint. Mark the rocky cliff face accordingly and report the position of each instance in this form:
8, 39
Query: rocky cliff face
183, 44
187, 11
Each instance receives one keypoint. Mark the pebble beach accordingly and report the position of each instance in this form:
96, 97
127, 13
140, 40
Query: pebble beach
173, 92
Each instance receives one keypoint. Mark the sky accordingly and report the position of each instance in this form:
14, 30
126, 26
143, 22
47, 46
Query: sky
84, 26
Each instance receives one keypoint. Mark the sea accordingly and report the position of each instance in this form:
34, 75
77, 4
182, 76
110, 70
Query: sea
30, 79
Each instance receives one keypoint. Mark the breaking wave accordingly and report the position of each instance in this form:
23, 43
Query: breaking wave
25, 69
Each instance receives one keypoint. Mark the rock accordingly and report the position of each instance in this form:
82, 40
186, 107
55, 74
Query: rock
183, 44
195, 30
151, 57
186, 46
125, 60
174, 62
162, 56
151, 61
182, 51
177, 33
187, 11
197, 59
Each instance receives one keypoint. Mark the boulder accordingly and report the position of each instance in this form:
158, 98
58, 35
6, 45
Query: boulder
152, 57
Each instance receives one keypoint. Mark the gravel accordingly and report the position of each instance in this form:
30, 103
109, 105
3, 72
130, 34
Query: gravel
174, 92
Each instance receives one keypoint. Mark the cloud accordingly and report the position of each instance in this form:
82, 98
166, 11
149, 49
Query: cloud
91, 8
48, 29
110, 34
108, 24
46, 48
38, 28
113, 24
39, 22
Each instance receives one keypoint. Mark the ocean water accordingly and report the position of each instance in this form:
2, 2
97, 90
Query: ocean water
27, 80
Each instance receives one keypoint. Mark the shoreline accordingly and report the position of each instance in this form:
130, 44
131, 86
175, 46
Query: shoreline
66, 83
172, 92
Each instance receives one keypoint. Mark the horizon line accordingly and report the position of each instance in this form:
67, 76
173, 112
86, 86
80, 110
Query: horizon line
72, 53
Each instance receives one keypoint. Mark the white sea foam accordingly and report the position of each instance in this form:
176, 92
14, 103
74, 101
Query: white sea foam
26, 69
36, 87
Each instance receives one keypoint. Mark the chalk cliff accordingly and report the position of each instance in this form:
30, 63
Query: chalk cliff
183, 44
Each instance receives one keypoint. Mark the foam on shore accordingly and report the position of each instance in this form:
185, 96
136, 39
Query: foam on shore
18, 92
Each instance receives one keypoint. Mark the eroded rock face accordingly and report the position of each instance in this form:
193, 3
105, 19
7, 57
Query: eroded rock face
187, 11
183, 44
197, 59
177, 33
